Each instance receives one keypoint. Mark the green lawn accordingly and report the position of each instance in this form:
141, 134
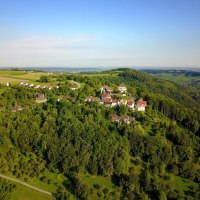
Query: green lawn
91, 180
103, 183
25, 193
56, 179
181, 183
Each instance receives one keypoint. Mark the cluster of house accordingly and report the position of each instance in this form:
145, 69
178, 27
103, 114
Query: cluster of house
37, 86
72, 87
40, 98
107, 100
17, 108
122, 119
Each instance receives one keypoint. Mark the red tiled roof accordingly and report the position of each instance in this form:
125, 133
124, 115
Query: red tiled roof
115, 101
115, 117
106, 95
108, 101
141, 103
130, 103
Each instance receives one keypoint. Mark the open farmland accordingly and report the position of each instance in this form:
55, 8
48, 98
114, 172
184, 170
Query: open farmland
11, 80
19, 76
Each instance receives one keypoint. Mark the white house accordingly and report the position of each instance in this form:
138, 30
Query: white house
30, 85
40, 98
122, 102
122, 88
127, 119
38, 86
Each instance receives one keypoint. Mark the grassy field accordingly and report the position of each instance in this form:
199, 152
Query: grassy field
19, 76
25, 193
55, 179
182, 184
104, 182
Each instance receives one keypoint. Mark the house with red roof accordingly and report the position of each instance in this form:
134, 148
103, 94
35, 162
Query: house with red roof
105, 96
106, 89
131, 104
108, 102
114, 102
115, 118
141, 105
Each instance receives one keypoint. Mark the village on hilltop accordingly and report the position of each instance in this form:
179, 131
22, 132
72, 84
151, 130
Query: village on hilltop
107, 97
107, 100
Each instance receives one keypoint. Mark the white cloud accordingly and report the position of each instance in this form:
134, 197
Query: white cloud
47, 42
45, 50
85, 50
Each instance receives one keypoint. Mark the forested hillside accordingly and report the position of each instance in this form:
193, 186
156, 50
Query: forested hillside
184, 77
156, 156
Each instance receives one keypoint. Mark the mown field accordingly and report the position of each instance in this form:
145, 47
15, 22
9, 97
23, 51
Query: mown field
11, 76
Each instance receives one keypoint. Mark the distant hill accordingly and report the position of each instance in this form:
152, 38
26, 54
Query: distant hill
185, 77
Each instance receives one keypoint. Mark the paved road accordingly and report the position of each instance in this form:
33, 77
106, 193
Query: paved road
25, 184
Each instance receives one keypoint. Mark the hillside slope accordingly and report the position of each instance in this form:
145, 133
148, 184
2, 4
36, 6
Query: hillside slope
74, 149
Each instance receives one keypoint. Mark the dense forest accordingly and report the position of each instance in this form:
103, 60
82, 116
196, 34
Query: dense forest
156, 156
184, 77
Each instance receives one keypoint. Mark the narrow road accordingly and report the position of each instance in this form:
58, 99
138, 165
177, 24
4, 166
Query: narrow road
78, 84
25, 184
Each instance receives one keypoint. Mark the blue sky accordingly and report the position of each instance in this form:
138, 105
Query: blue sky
84, 33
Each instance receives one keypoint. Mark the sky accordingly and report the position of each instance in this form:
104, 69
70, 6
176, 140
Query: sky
100, 33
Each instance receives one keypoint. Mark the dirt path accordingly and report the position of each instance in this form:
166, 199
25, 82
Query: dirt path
25, 184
